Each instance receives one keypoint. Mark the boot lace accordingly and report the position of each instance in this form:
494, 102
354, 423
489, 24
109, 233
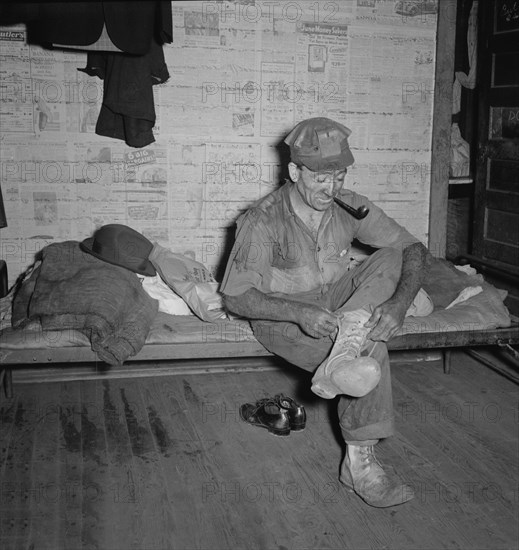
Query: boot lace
353, 338
367, 455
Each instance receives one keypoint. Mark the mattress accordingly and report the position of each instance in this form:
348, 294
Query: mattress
472, 320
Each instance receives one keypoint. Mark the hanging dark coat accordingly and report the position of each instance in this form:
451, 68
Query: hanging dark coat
130, 25
128, 109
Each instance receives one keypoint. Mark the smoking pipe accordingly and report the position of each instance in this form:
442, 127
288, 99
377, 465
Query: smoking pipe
360, 213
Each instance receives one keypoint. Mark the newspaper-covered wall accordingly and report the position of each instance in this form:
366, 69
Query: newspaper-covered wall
241, 75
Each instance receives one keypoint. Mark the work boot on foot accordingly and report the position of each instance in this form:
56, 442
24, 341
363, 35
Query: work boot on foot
362, 473
344, 371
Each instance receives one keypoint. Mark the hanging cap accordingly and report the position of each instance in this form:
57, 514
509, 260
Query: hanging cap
320, 144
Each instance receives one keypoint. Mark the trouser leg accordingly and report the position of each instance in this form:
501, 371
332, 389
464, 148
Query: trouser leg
373, 282
288, 341
371, 416
370, 284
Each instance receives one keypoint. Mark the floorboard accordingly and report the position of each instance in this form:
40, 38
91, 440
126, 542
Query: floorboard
46, 492
166, 462
99, 491
70, 469
15, 512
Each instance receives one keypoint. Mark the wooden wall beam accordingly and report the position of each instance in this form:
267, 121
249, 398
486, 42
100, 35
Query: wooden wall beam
441, 131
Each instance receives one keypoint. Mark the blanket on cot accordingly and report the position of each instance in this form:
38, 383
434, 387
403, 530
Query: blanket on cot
72, 290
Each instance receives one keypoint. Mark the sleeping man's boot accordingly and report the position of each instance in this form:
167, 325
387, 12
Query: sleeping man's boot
345, 371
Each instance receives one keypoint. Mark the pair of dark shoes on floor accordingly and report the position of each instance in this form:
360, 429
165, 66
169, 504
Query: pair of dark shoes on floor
279, 414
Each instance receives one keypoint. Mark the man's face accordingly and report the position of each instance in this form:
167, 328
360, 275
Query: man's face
317, 189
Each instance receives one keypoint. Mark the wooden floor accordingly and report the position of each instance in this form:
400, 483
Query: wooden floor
165, 462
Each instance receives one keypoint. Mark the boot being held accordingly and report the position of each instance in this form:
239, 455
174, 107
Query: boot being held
344, 371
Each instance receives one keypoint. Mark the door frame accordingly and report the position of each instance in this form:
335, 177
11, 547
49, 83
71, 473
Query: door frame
441, 129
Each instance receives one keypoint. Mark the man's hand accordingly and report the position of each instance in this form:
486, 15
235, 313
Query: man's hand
388, 317
386, 320
317, 322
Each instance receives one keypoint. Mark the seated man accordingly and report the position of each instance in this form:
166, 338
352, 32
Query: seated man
289, 274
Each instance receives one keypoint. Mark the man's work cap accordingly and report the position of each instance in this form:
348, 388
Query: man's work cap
320, 144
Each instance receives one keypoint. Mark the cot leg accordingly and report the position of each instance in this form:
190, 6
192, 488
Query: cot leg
6, 379
447, 360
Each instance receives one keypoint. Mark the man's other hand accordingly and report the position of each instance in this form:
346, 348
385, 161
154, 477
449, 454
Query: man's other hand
386, 320
317, 322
